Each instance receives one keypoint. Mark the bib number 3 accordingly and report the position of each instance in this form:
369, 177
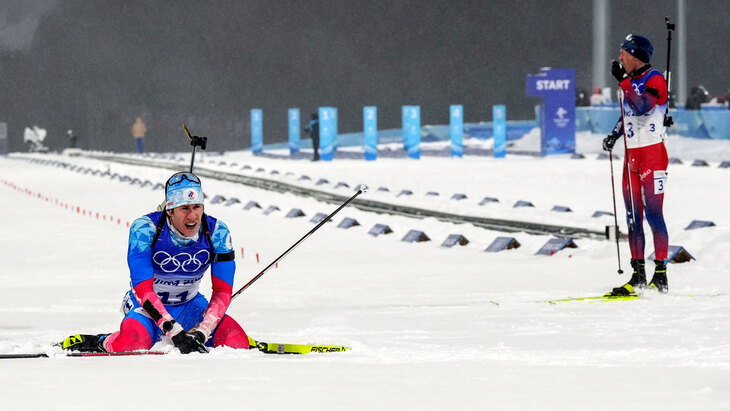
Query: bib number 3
660, 180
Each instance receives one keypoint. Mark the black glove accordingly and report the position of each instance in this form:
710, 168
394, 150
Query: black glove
617, 70
609, 142
190, 341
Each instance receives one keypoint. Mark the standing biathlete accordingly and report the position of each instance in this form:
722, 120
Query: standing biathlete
168, 255
645, 163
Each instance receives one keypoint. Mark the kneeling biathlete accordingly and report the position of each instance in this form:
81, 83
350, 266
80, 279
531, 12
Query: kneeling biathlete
168, 255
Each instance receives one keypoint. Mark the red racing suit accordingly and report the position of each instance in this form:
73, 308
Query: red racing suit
645, 165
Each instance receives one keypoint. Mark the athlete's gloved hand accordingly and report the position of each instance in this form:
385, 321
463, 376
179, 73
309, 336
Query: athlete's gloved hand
609, 142
190, 341
617, 70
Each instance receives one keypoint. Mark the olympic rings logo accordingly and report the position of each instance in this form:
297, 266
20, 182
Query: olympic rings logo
188, 263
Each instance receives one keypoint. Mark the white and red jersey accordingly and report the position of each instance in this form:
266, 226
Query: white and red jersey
645, 104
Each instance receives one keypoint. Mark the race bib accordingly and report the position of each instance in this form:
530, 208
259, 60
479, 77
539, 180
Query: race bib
660, 180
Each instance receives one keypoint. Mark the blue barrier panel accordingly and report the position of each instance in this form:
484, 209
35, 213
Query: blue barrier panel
370, 131
403, 114
217, 199
3, 138
523, 203
557, 120
250, 205
602, 213
327, 132
271, 209
454, 239
603, 119
582, 119
676, 254
499, 119
556, 244
699, 224
706, 123
232, 201
716, 120
348, 222
488, 200
379, 229
502, 243
257, 131
688, 123
561, 209
294, 136
294, 213
412, 130
457, 130
319, 217
415, 236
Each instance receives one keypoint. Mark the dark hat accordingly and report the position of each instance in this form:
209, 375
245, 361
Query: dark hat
638, 46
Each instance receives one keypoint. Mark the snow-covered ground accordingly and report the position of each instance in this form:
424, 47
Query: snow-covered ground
430, 327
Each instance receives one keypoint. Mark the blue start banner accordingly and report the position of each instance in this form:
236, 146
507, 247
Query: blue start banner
412, 130
499, 122
457, 130
294, 136
327, 132
257, 131
370, 129
557, 119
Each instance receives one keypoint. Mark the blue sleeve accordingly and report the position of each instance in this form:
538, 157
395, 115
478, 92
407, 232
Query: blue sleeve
618, 129
221, 237
139, 252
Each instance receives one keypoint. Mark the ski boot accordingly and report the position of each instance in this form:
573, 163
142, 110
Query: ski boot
85, 343
659, 281
637, 281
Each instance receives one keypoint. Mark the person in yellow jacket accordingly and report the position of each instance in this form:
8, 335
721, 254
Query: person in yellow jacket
139, 129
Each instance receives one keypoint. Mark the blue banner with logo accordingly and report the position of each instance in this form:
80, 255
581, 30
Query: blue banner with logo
457, 130
370, 130
327, 132
257, 131
412, 130
557, 89
294, 132
499, 124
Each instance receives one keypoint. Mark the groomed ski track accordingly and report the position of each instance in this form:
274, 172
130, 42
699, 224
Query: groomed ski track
173, 163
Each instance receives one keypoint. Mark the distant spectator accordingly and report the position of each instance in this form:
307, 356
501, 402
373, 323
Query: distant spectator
598, 99
722, 100
313, 130
72, 139
139, 129
697, 96
581, 99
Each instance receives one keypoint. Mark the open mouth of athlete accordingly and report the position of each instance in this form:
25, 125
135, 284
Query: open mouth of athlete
191, 225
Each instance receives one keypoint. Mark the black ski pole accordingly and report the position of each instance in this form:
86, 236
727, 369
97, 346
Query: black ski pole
615, 216
360, 189
668, 121
195, 141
